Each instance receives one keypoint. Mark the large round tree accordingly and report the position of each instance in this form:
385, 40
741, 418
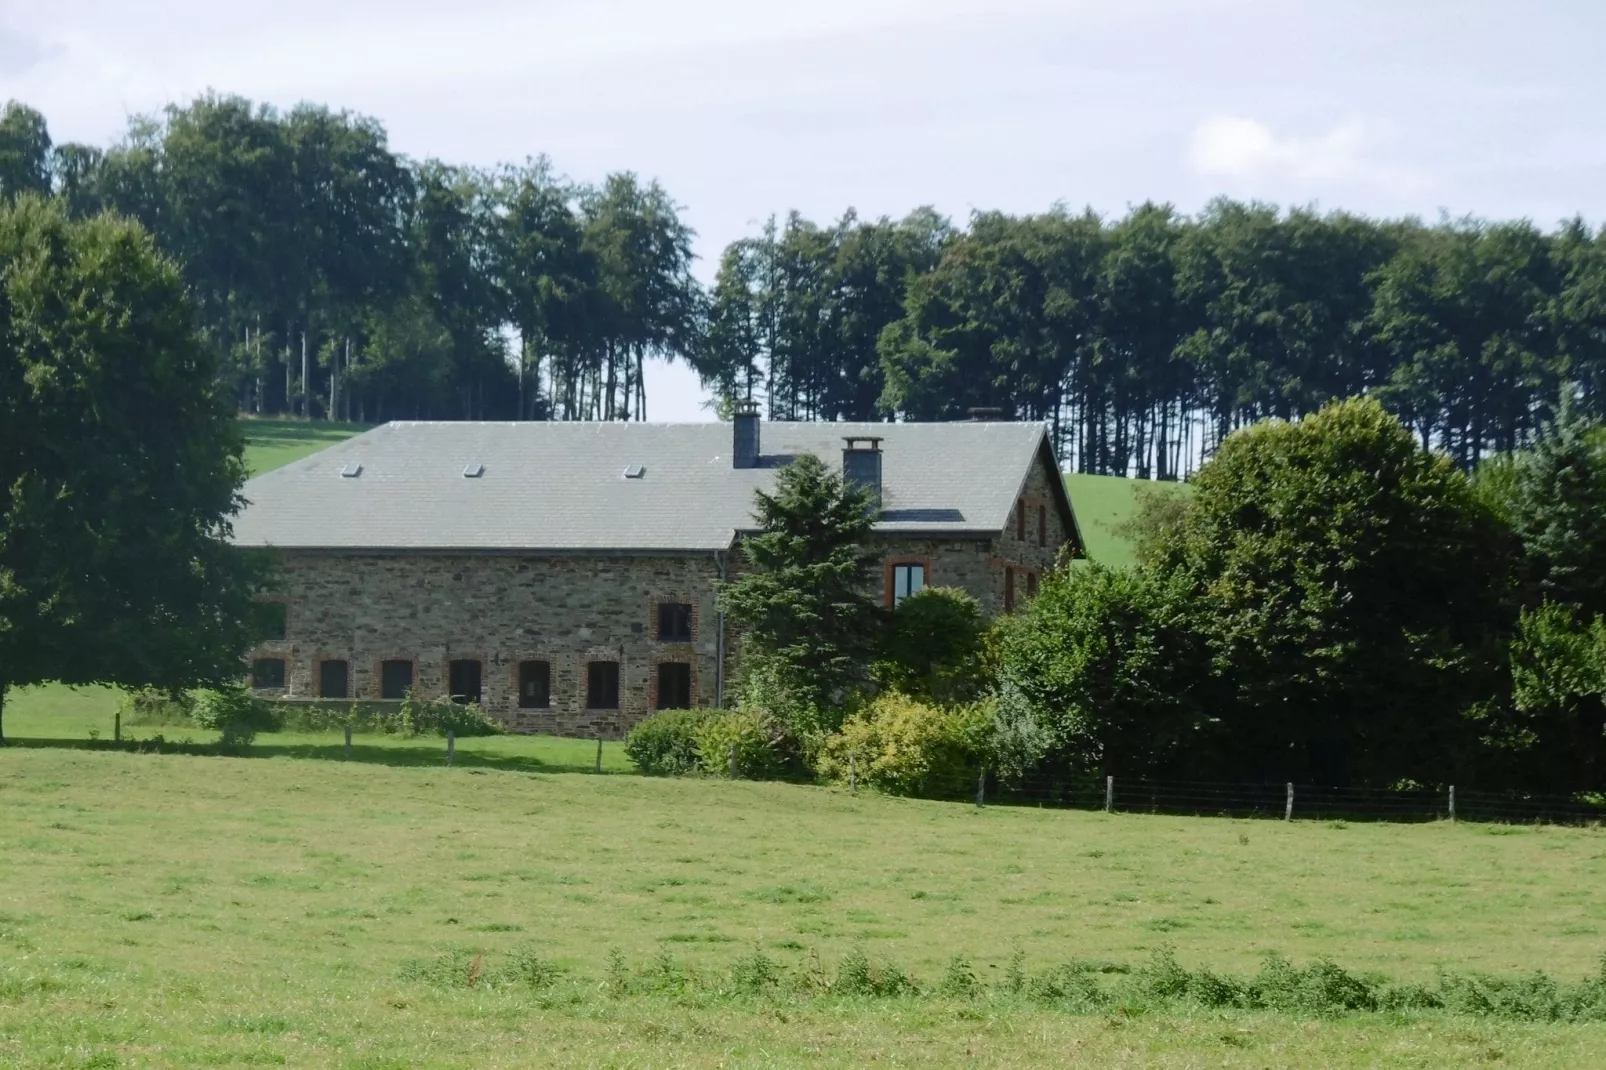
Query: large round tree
1352, 592
120, 466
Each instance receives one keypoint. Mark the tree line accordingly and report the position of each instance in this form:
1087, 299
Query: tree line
335, 277
1145, 340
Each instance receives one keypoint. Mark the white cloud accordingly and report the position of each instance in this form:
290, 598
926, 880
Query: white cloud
1231, 146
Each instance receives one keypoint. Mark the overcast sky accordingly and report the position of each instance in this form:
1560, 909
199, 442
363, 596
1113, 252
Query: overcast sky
744, 108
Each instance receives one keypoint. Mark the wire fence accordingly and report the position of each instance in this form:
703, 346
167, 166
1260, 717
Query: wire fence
1283, 801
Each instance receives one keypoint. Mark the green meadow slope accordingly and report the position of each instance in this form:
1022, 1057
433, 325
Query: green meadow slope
1104, 505
270, 444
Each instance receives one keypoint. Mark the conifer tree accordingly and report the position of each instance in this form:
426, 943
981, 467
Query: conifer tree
806, 624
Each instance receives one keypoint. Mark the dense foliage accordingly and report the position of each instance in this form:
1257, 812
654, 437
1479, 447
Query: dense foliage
934, 647
336, 278
1146, 340
799, 602
120, 466
1349, 586
665, 744
1110, 666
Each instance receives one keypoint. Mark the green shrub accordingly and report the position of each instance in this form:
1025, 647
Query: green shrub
419, 717
233, 711
757, 741
665, 744
934, 647
461, 719
906, 747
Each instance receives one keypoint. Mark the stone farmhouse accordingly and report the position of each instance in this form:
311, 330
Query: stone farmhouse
564, 574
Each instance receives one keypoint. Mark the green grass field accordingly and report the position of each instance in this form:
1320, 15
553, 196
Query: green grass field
186, 910
270, 444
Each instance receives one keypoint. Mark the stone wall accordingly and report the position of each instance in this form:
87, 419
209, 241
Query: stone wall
500, 610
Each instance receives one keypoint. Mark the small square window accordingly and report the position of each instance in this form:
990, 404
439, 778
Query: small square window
267, 674
535, 685
463, 680
674, 622
907, 580
674, 685
602, 685
395, 678
334, 679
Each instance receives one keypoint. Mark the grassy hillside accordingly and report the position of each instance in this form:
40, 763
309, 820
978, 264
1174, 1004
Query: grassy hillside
1104, 504
270, 444
178, 911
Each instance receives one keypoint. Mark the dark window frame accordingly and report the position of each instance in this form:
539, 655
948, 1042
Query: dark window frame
545, 693
323, 677
1031, 585
1020, 521
674, 624
1042, 525
1009, 589
283, 674
385, 681
680, 689
457, 694
602, 693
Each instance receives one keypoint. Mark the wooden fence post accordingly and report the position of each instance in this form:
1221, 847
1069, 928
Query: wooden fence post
117, 727
733, 761
451, 746
981, 787
599, 754
1288, 811
1109, 794
348, 743
853, 776
1452, 802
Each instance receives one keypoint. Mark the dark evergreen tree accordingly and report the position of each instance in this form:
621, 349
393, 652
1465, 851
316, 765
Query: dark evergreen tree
807, 625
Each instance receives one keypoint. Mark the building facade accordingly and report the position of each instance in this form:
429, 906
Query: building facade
600, 619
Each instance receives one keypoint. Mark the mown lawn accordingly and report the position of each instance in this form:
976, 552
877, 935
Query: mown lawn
163, 910
270, 444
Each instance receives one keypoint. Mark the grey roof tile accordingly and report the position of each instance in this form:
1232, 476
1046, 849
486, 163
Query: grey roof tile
561, 486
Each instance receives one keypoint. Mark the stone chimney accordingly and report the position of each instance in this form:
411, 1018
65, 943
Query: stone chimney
861, 465
744, 424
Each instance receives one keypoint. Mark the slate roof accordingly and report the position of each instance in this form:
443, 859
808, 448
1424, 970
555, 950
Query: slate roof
553, 486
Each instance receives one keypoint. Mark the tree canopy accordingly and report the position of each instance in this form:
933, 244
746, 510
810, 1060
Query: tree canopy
120, 465
808, 628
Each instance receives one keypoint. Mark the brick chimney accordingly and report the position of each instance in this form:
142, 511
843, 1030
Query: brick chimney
744, 428
861, 465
